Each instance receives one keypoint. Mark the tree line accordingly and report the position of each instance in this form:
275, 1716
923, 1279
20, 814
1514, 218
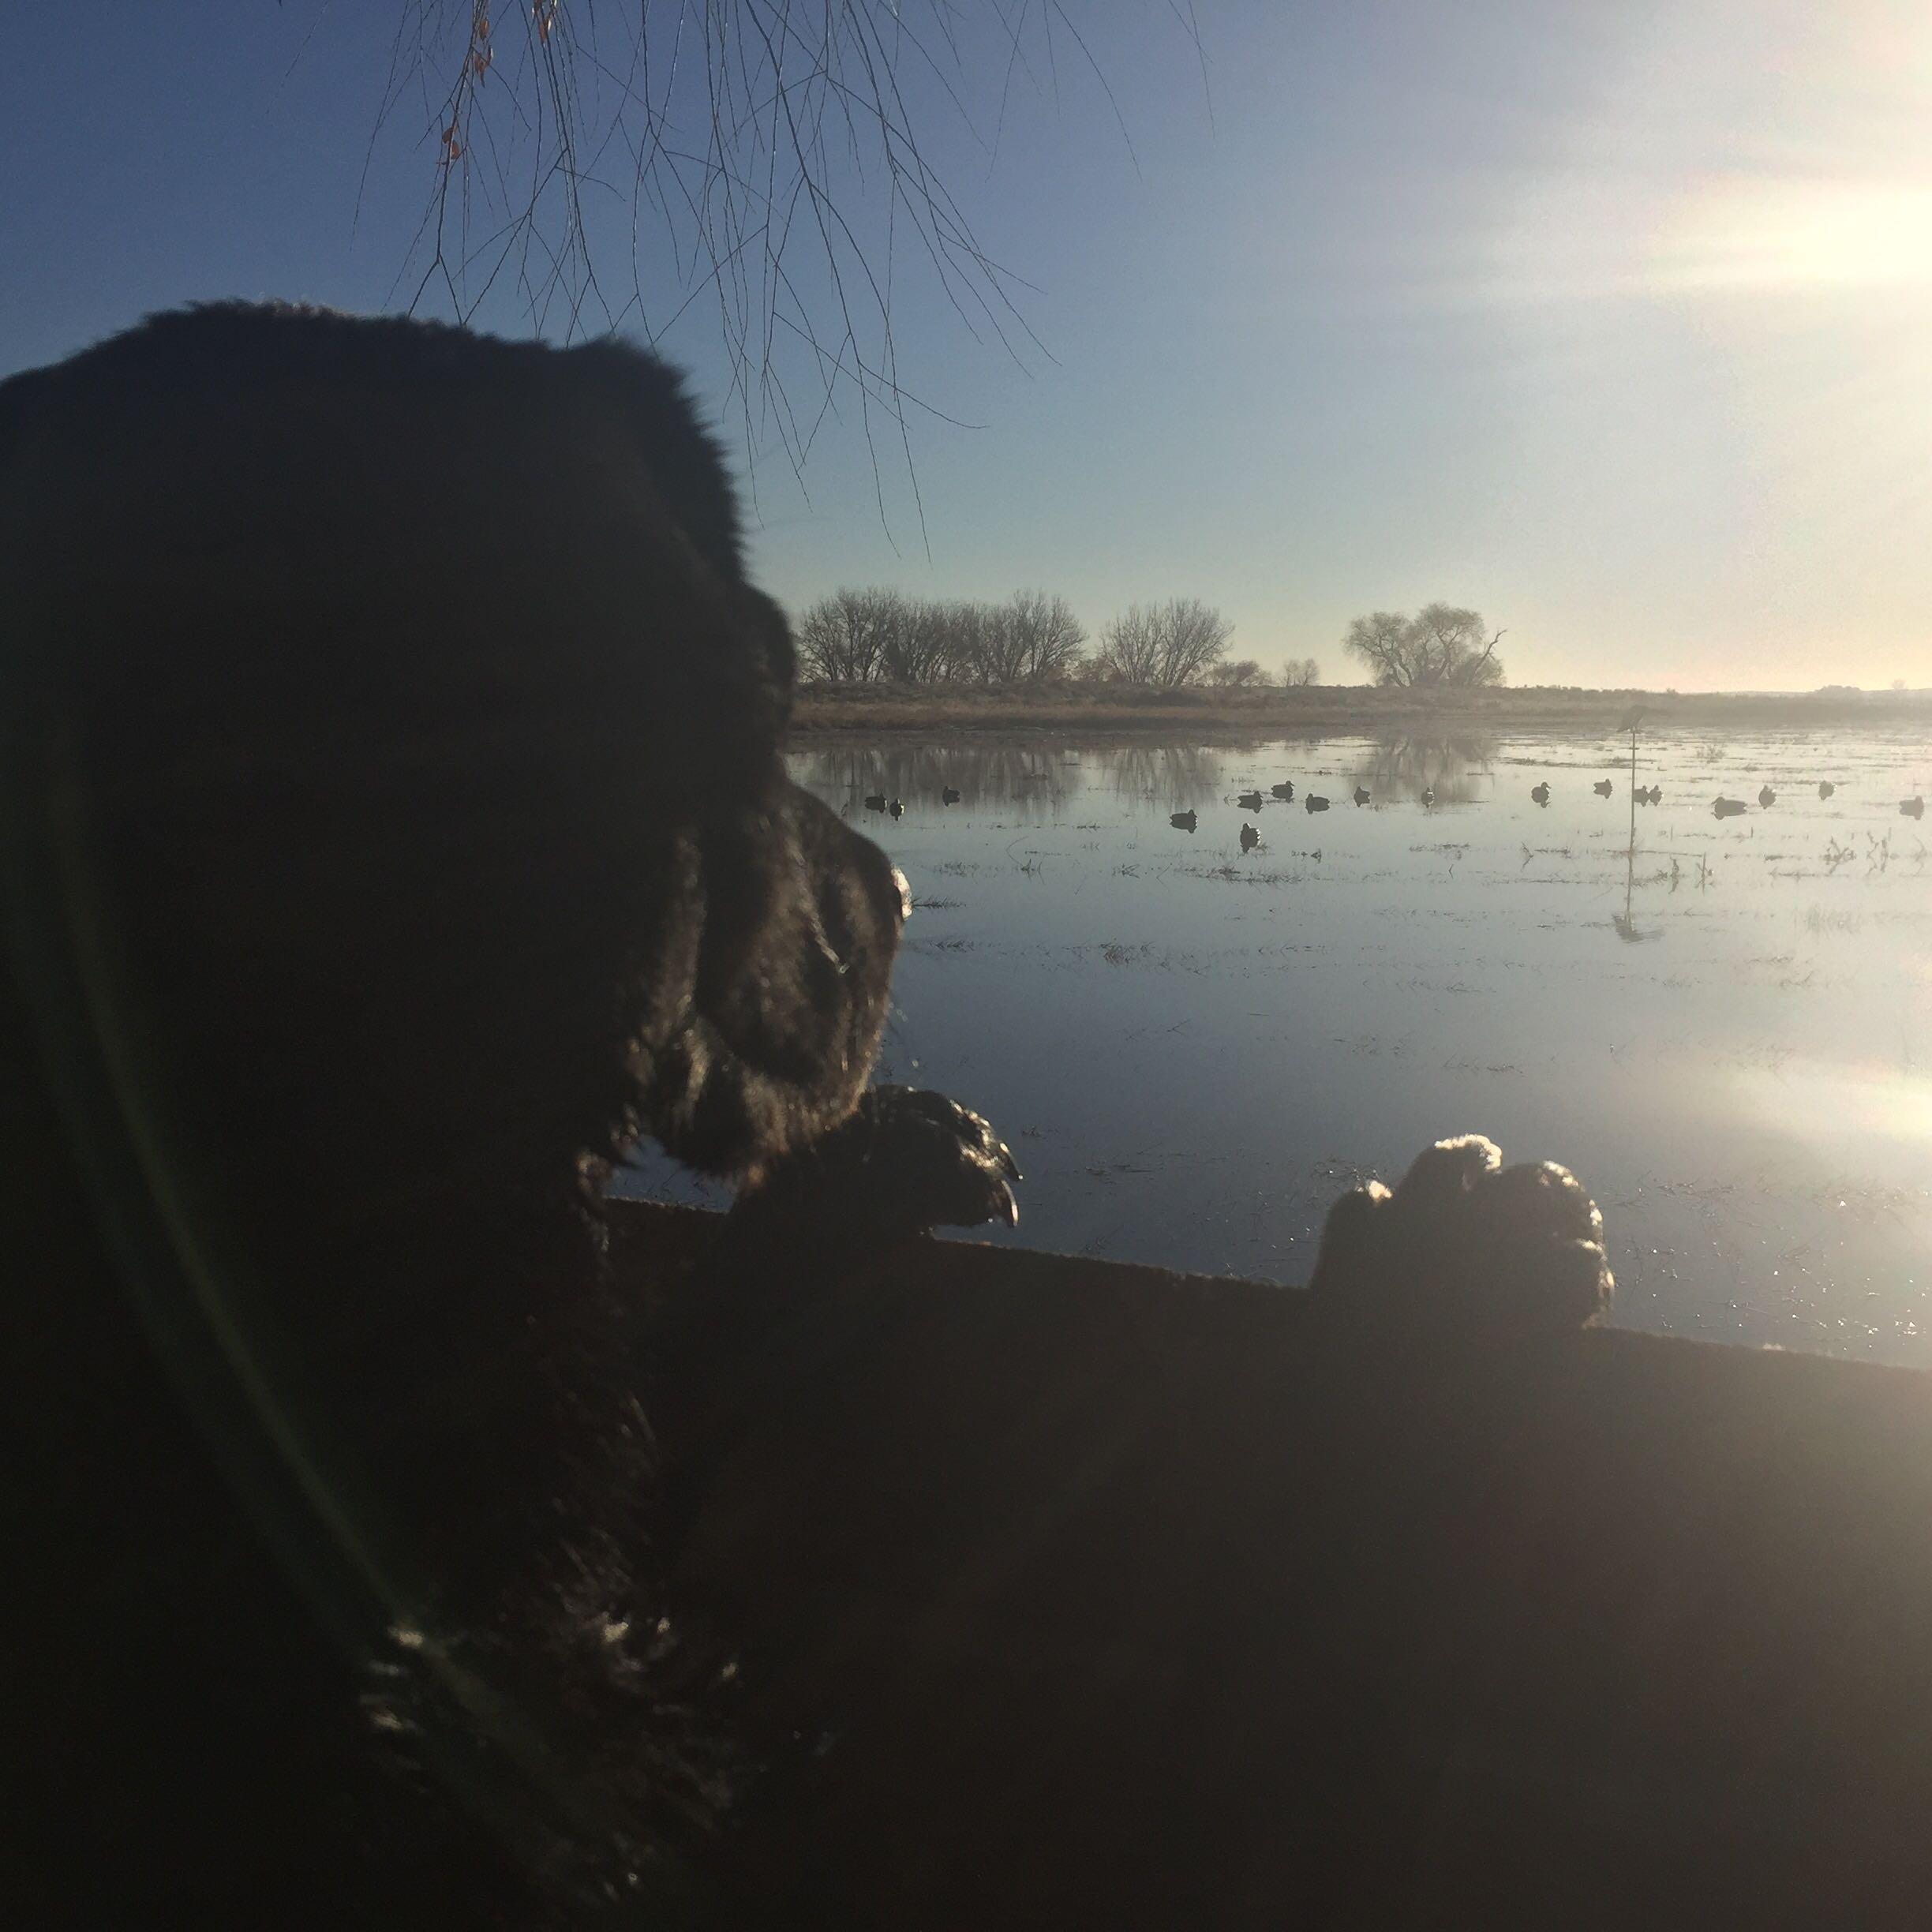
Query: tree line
881, 636
885, 637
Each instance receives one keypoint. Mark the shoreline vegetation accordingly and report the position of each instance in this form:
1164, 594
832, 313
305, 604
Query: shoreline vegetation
1273, 712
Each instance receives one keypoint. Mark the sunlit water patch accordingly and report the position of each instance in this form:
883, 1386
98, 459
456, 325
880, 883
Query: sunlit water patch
1724, 1024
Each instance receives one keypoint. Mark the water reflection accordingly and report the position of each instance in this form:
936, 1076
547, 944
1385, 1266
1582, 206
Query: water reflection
1039, 777
1195, 1041
1036, 779
1456, 769
1624, 923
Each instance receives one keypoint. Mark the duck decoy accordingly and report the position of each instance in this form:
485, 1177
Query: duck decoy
1183, 822
896, 809
1249, 801
1250, 838
1361, 795
1729, 808
1428, 797
875, 801
1825, 787
1603, 787
1654, 796
1539, 793
1284, 790
1766, 797
1912, 807
948, 795
1314, 803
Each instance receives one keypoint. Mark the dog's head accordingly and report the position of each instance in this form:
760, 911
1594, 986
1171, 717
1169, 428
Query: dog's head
399, 744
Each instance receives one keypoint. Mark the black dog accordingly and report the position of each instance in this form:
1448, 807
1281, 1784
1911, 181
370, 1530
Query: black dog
396, 827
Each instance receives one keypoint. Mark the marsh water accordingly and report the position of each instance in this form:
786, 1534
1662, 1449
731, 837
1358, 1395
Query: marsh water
1724, 1024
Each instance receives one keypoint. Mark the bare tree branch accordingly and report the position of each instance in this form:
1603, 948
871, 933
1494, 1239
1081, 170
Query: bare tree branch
772, 145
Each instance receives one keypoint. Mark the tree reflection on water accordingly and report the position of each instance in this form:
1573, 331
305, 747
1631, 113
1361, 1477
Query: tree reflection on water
1457, 767
1039, 779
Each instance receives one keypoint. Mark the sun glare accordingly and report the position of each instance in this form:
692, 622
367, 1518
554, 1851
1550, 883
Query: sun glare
1743, 234
1832, 1104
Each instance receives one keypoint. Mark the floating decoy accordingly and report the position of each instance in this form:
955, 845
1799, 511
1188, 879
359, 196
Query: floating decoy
1654, 796
1284, 790
1249, 801
1729, 808
1539, 793
1767, 798
1361, 795
1912, 807
1250, 838
1603, 787
1314, 802
1428, 797
1182, 822
875, 801
948, 795
896, 809
1825, 787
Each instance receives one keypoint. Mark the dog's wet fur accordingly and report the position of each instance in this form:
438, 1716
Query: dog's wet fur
398, 829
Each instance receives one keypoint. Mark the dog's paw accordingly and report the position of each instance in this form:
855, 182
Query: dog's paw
908, 1161
933, 1162
1464, 1244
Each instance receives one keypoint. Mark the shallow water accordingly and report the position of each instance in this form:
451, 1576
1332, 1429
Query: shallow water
1724, 1024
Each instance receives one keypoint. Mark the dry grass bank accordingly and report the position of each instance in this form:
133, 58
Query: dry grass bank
1333, 708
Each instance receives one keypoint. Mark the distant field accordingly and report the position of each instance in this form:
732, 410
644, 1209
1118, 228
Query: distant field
1328, 708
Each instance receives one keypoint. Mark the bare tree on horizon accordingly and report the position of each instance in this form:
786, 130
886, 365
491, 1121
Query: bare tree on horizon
882, 635
1442, 644
1236, 674
1046, 639
1166, 645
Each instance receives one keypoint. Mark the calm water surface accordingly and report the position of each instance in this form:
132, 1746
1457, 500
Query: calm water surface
1724, 1025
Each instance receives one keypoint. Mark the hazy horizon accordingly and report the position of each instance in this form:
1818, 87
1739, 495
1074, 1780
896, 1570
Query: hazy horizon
1608, 321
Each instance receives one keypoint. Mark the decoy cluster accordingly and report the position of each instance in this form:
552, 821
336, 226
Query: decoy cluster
1721, 807
1283, 792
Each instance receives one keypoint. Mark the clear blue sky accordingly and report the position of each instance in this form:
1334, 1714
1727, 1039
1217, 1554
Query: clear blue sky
1614, 320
